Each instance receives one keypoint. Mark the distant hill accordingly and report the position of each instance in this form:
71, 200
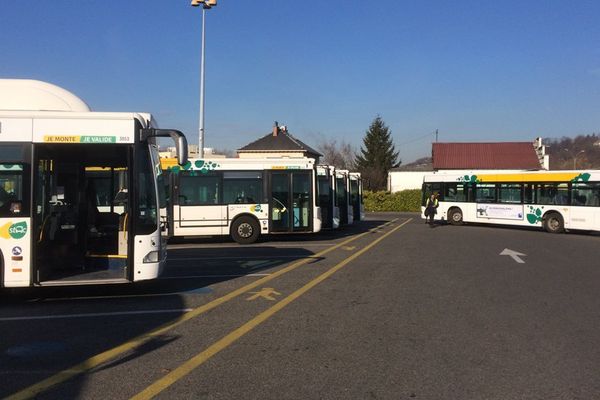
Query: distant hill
582, 150
422, 164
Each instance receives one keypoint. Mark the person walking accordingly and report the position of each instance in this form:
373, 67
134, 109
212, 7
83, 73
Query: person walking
431, 208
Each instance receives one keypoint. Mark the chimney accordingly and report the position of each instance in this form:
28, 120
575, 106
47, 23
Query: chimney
275, 129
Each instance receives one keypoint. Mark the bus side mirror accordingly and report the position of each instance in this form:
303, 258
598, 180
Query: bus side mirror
178, 137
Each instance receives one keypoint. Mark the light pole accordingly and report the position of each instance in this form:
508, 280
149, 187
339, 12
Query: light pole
575, 157
206, 5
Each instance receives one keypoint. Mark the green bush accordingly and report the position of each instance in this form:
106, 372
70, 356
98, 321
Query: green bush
405, 200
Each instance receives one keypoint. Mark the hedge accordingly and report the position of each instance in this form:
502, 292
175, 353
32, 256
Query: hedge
405, 200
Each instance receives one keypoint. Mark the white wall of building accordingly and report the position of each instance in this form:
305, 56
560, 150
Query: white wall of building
403, 180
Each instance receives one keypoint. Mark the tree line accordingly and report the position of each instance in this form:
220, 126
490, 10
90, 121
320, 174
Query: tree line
579, 152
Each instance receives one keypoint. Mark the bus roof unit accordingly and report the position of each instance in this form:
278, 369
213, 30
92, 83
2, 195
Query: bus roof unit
32, 95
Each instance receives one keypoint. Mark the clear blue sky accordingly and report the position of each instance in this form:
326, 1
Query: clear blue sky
475, 70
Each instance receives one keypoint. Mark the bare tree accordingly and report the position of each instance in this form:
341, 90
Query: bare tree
341, 155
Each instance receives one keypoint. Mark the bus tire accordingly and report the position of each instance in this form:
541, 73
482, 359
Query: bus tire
455, 216
245, 230
554, 222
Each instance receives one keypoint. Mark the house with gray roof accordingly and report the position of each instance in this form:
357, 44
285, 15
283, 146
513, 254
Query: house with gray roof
279, 143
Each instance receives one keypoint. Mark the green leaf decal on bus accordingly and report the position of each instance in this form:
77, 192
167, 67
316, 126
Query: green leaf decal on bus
469, 179
583, 177
535, 215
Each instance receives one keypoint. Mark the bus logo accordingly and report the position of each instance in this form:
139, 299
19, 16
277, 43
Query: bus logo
15, 231
17, 251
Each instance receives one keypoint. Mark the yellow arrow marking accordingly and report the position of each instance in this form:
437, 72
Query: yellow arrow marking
265, 293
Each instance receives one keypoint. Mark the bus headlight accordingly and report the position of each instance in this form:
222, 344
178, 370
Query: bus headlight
152, 257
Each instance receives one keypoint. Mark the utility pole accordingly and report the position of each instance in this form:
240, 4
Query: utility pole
206, 5
436, 135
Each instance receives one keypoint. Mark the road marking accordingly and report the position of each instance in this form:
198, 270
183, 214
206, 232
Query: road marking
98, 359
241, 257
211, 276
228, 246
514, 255
349, 248
88, 315
266, 293
129, 296
188, 366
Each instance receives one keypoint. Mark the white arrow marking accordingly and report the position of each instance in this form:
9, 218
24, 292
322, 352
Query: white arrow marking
514, 254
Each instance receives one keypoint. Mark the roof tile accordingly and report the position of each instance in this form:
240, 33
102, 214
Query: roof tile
504, 155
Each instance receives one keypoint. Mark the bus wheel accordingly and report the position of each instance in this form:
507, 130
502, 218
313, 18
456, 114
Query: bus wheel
455, 216
553, 223
245, 230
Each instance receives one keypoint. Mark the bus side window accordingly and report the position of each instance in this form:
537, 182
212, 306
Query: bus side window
528, 193
455, 192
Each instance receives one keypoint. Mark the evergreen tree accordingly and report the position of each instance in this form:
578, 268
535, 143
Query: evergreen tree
377, 156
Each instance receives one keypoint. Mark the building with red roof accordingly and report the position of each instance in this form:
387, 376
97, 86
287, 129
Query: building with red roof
503, 155
470, 157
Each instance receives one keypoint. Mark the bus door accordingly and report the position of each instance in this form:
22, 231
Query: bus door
81, 215
15, 221
325, 197
342, 198
585, 202
355, 198
199, 209
290, 201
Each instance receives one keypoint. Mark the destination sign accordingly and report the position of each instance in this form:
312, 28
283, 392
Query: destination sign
80, 139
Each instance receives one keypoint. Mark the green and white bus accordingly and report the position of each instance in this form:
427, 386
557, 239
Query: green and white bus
344, 199
356, 196
327, 199
554, 200
242, 197
79, 190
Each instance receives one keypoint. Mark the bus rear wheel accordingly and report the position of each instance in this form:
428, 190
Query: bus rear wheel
455, 216
245, 230
554, 223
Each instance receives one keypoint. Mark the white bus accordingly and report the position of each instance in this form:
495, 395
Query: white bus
243, 198
327, 199
344, 201
554, 200
356, 196
79, 198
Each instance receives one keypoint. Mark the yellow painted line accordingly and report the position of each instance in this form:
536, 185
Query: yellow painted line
93, 362
187, 367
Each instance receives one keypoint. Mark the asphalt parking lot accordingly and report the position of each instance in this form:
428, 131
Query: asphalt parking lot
387, 309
